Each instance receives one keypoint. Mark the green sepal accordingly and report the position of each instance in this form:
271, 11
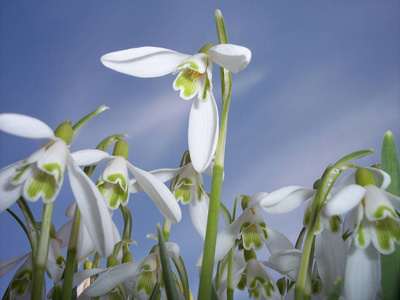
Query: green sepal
83, 122
390, 264
168, 276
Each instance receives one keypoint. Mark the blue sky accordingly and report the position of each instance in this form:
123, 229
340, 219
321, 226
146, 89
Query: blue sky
323, 82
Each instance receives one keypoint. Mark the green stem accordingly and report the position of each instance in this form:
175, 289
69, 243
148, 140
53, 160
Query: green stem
31, 223
206, 272
39, 265
71, 256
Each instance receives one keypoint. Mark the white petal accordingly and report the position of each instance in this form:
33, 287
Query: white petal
203, 132
232, 57
9, 264
285, 199
144, 61
25, 126
112, 278
159, 193
199, 213
277, 242
286, 263
330, 252
162, 174
344, 200
256, 199
56, 153
197, 62
375, 200
89, 157
94, 211
173, 250
9, 192
362, 273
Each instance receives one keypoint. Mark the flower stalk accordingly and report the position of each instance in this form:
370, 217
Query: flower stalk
216, 185
40, 259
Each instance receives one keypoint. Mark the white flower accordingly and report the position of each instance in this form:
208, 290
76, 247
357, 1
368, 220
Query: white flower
371, 207
194, 78
189, 189
41, 176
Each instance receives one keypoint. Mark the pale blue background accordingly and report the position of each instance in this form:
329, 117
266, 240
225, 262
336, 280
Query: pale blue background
323, 82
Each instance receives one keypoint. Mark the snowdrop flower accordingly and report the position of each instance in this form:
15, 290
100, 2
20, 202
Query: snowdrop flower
41, 175
189, 189
115, 185
373, 211
194, 78
253, 232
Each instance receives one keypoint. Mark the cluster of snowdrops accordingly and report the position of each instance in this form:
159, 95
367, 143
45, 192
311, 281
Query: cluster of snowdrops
345, 249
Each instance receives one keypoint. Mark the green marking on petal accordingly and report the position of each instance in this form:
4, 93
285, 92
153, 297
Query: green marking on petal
199, 191
387, 231
183, 190
207, 87
44, 184
360, 235
22, 281
189, 64
51, 167
117, 177
187, 82
20, 172
252, 237
146, 283
334, 223
113, 194
380, 212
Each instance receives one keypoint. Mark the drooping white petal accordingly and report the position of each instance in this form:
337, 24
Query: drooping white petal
144, 61
89, 157
276, 241
162, 174
112, 277
9, 264
361, 279
173, 250
25, 126
55, 155
94, 211
9, 192
330, 252
159, 193
203, 132
198, 209
285, 199
232, 57
286, 263
344, 200
377, 206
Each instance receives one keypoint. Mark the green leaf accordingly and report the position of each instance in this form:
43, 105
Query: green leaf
180, 266
390, 264
169, 280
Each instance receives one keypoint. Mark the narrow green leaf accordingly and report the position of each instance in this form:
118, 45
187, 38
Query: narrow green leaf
156, 292
180, 266
169, 280
390, 264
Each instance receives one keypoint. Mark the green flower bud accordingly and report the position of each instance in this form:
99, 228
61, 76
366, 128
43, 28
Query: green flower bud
365, 177
205, 48
281, 283
127, 257
112, 261
64, 131
245, 200
87, 265
121, 148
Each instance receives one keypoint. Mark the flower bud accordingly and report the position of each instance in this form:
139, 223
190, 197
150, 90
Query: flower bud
87, 265
121, 148
281, 283
112, 261
64, 131
127, 257
365, 177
